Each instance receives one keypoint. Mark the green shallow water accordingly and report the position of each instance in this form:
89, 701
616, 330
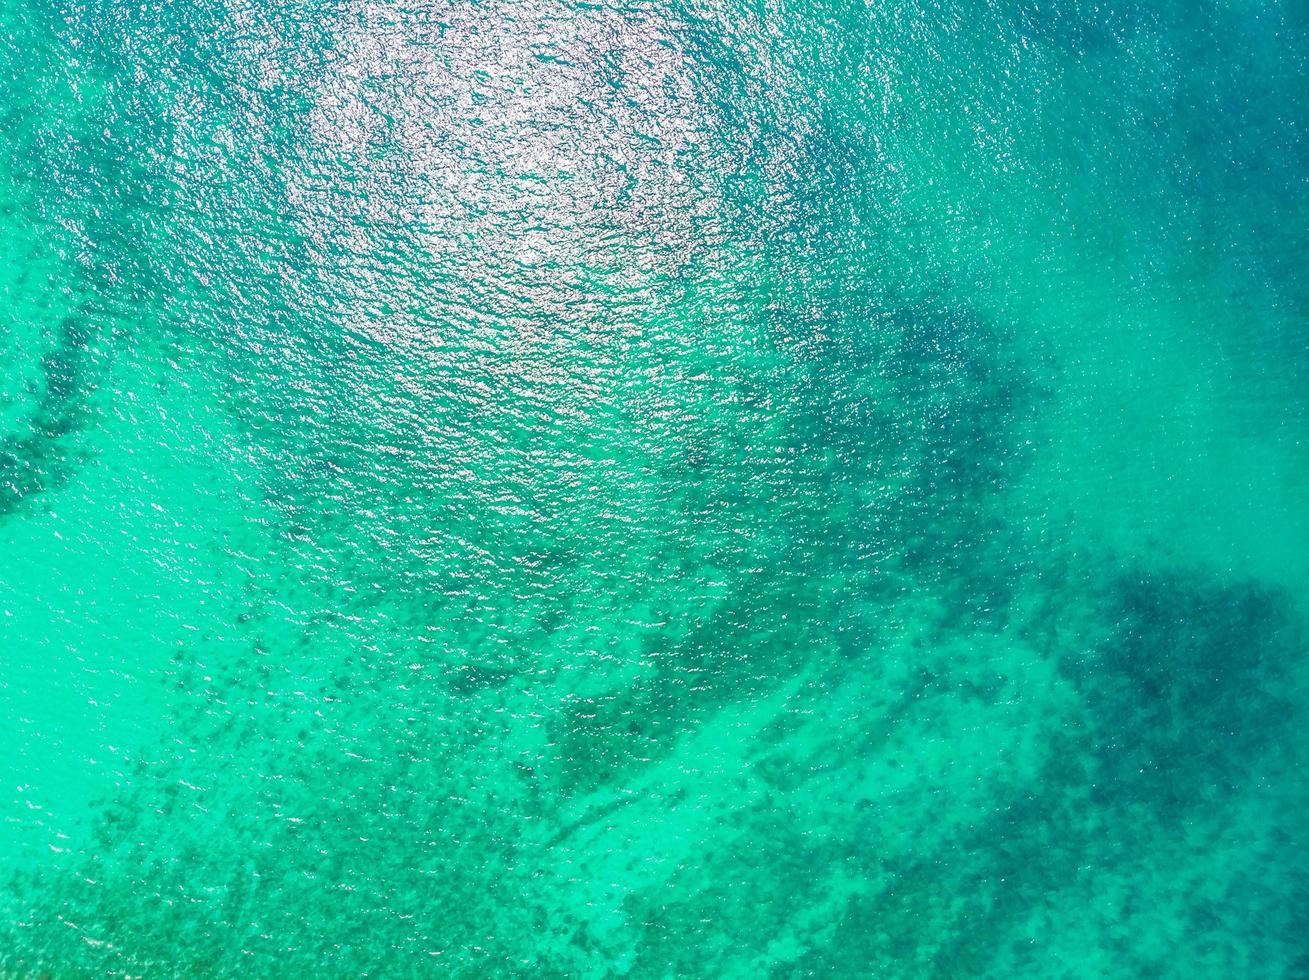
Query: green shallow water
696, 489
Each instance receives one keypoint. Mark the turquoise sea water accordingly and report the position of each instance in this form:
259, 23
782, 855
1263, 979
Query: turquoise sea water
705, 489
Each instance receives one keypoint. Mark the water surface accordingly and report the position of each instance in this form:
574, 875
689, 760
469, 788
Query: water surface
685, 489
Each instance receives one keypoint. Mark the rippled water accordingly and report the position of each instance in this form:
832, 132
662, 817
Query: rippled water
696, 489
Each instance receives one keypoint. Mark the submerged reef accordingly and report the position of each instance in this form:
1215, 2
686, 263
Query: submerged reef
38, 457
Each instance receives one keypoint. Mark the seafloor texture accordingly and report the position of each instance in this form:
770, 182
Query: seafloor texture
707, 489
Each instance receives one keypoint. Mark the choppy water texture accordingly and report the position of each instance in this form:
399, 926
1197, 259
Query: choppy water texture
701, 489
